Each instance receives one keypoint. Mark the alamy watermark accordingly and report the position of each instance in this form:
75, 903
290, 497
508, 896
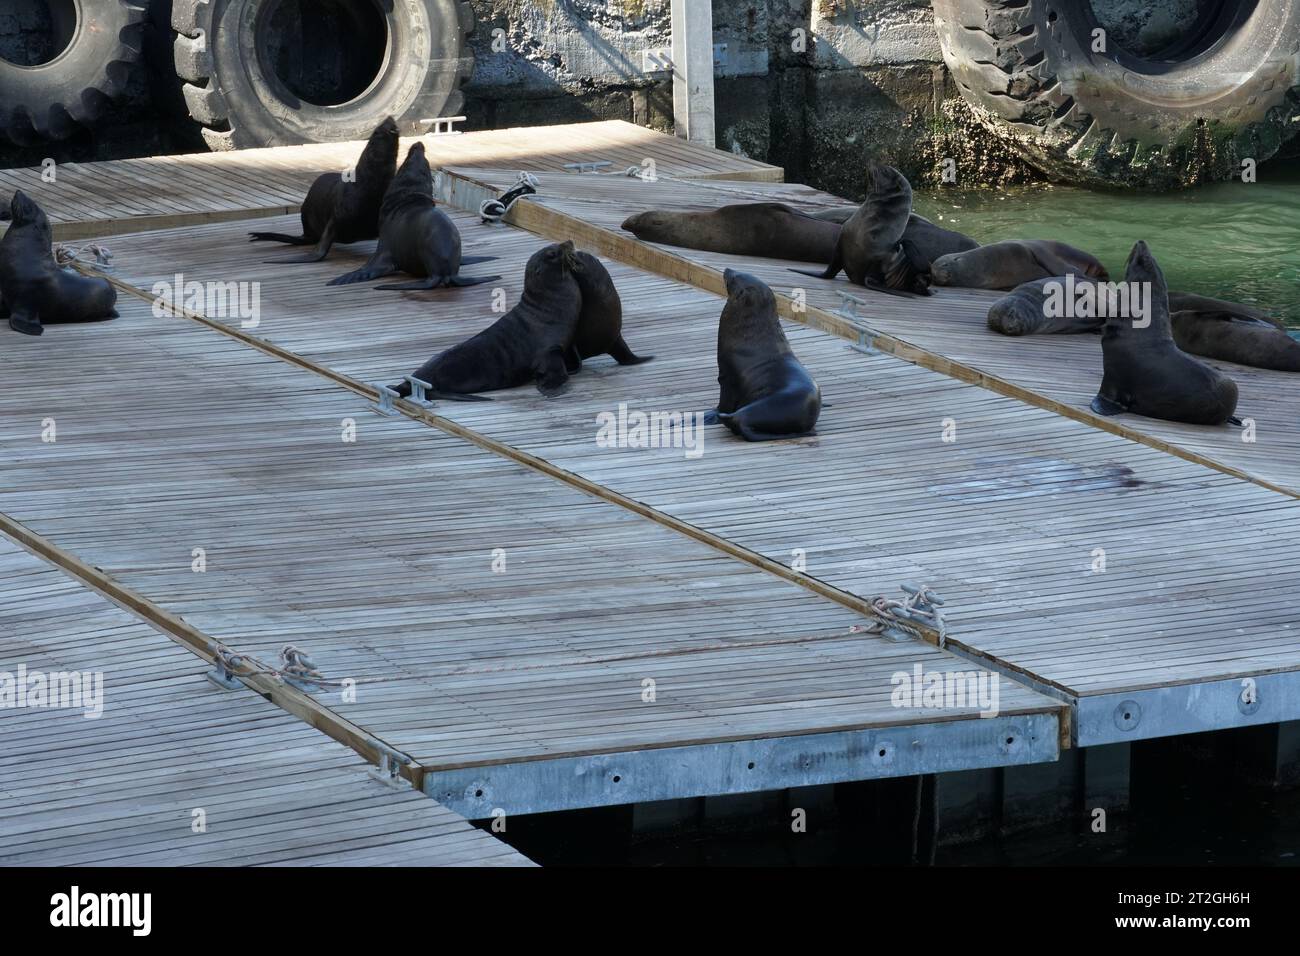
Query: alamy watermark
61, 690
946, 690
214, 300
1098, 300
636, 429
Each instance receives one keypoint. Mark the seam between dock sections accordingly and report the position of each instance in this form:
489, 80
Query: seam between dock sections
254, 675
846, 599
465, 193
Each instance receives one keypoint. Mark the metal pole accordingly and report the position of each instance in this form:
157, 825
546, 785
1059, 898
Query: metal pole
693, 70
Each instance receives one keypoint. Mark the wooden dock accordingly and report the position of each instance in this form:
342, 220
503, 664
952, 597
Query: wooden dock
177, 772
86, 200
1027, 495
662, 625
947, 333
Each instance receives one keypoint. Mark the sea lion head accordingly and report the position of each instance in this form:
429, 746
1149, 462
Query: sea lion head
746, 295
651, 226
1143, 275
22, 210
551, 265
382, 146
414, 178
949, 269
1015, 314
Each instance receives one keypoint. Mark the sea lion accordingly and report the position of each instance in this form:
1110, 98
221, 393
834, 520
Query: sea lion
1145, 373
870, 249
600, 323
930, 239
34, 289
337, 210
531, 342
765, 394
415, 236
1213, 328
1005, 265
769, 229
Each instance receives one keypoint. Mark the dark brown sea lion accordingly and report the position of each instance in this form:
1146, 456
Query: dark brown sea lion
34, 289
600, 323
1005, 265
769, 229
1213, 328
765, 394
415, 236
1145, 373
531, 342
336, 210
871, 250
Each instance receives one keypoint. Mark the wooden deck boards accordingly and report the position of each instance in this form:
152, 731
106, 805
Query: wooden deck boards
1004, 522
102, 198
1058, 371
376, 558
121, 790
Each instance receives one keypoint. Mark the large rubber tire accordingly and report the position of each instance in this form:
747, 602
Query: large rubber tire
241, 103
1188, 115
54, 99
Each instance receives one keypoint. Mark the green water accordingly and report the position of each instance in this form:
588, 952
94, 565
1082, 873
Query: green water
1238, 241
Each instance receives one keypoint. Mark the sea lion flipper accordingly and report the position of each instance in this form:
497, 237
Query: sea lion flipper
381, 264
1104, 406
623, 355
25, 321
572, 360
475, 260
462, 281
711, 417
553, 373
279, 237
415, 285
316, 255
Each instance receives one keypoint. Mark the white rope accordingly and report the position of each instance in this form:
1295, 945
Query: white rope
920, 607
65, 255
494, 210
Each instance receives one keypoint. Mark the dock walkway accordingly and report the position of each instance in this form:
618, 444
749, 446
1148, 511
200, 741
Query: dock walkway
177, 772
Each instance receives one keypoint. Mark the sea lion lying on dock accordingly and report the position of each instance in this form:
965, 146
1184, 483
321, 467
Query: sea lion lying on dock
871, 250
1005, 265
770, 230
531, 342
765, 394
337, 210
1145, 373
1213, 328
415, 236
34, 288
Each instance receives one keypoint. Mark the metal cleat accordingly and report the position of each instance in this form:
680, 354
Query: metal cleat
443, 126
587, 167
386, 398
222, 671
848, 311
419, 391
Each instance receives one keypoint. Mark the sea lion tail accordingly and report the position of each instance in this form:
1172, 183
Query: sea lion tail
280, 237
403, 390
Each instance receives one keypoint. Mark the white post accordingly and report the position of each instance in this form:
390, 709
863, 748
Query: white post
693, 70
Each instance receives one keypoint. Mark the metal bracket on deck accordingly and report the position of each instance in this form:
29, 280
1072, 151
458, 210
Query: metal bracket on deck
222, 671
587, 167
388, 771
419, 391
386, 398
848, 311
443, 126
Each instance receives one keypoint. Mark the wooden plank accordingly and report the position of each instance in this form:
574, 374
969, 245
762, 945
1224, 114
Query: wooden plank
123, 789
